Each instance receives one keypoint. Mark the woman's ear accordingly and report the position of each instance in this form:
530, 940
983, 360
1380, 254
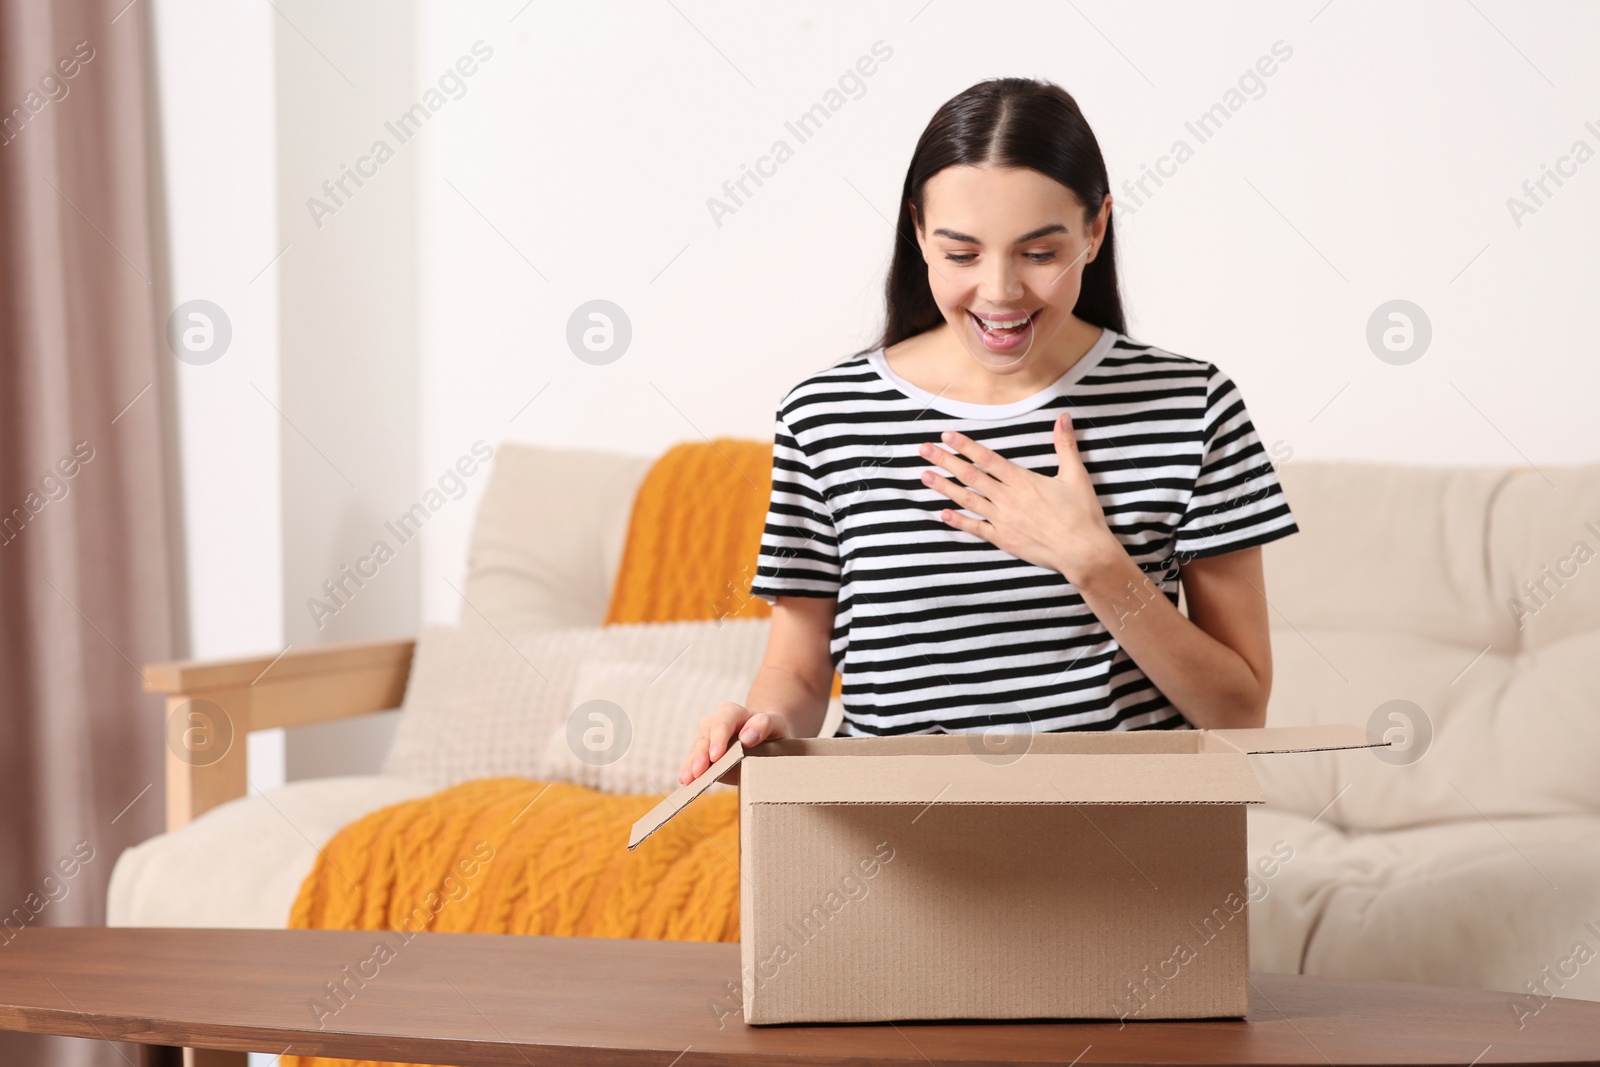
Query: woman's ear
1102, 221
916, 226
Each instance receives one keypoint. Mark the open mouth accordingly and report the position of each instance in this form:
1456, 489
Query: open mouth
1002, 331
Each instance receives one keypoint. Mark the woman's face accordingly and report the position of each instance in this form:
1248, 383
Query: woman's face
1007, 244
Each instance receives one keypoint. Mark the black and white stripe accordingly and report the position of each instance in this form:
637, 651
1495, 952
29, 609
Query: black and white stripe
938, 630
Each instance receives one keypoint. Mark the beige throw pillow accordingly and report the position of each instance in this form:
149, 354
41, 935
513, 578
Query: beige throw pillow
482, 702
632, 723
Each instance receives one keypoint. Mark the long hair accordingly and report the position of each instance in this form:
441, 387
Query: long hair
1005, 122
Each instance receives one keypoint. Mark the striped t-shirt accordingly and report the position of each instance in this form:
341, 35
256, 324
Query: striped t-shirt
936, 629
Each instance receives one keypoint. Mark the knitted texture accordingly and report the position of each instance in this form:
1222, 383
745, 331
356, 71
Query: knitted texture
694, 535
517, 856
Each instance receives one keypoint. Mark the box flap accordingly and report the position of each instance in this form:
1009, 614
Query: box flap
1298, 738
996, 748
1036, 778
679, 798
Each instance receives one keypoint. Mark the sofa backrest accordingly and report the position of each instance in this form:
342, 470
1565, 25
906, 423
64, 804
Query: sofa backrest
548, 537
1402, 585
1401, 605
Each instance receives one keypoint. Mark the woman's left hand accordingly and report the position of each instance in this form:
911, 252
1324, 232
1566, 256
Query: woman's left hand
1053, 522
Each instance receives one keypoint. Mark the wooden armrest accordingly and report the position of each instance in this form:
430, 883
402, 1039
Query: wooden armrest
212, 706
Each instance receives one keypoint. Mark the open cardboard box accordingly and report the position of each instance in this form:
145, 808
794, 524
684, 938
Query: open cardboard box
997, 876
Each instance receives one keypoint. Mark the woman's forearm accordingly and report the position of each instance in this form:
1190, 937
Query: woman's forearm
1207, 681
779, 689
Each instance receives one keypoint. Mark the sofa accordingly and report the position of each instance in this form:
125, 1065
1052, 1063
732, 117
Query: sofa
1454, 611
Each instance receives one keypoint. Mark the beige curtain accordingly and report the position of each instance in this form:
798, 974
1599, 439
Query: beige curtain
86, 532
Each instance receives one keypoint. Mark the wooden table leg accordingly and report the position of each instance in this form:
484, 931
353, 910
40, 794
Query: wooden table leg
210, 1057
172, 1056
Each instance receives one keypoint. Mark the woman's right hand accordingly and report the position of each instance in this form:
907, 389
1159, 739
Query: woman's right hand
718, 730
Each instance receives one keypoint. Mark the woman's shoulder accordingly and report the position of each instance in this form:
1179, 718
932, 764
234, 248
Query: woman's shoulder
1129, 351
1201, 388
847, 374
1139, 366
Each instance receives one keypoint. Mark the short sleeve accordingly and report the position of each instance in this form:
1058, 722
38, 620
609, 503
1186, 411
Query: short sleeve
1237, 501
799, 554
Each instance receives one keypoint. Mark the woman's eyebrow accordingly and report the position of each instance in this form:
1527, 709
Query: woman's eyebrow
1054, 227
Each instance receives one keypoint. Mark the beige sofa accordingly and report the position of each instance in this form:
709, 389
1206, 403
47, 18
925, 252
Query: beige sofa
1469, 856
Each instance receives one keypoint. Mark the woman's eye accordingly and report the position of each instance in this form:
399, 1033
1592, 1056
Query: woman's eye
1036, 256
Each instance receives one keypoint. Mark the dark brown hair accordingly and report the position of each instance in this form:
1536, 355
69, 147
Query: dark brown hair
1005, 122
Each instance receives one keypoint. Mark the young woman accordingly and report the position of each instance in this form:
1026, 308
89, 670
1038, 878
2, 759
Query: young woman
981, 521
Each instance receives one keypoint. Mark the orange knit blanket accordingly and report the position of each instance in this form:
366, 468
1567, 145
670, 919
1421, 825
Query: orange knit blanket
514, 856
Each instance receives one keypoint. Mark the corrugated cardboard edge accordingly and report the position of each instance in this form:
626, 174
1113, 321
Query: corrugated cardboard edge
1324, 738
1220, 777
1253, 741
678, 799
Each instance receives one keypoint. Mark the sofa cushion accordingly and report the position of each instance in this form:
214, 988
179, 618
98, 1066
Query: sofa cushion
638, 731
482, 703
1470, 902
636, 739
1544, 555
531, 564
241, 863
1386, 548
1404, 624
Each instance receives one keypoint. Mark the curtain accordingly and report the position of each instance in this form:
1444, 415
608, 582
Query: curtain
87, 534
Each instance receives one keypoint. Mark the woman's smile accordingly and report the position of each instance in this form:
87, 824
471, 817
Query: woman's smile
1003, 333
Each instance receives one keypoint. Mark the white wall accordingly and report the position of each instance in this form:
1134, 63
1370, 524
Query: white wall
349, 372
215, 64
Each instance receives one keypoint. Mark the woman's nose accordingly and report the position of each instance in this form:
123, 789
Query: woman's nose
1000, 285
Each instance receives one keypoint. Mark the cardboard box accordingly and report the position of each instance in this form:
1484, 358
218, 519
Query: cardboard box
1082, 875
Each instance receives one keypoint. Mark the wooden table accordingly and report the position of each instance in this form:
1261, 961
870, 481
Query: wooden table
478, 999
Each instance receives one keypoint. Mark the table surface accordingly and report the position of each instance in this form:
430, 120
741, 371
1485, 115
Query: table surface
511, 1001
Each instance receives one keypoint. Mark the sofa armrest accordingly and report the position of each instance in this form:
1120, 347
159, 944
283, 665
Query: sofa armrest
218, 703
